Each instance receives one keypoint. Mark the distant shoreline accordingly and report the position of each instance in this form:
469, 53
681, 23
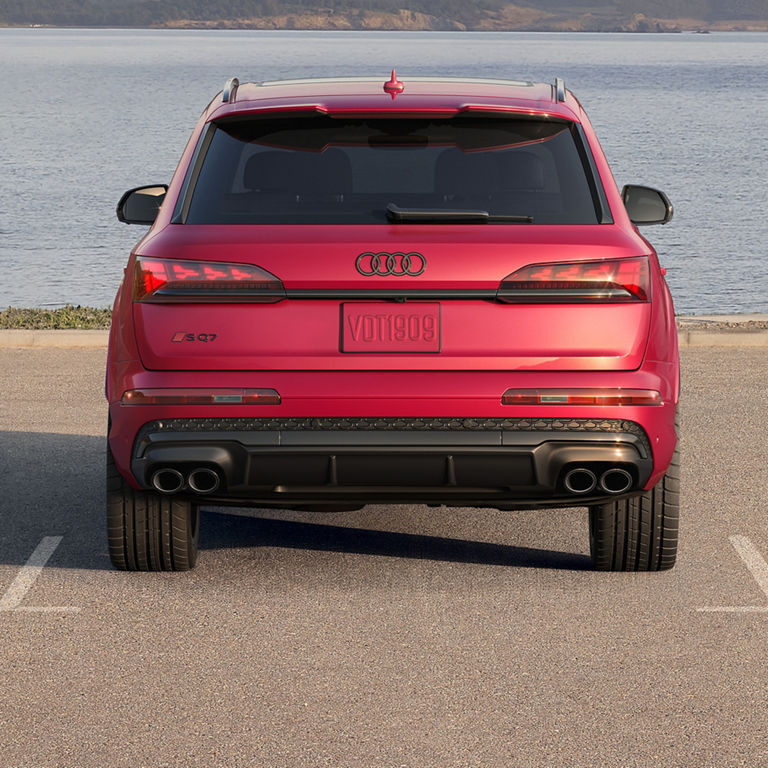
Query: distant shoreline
611, 16
205, 27
413, 22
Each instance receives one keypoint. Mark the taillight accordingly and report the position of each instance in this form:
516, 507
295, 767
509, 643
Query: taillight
616, 280
615, 396
163, 280
194, 396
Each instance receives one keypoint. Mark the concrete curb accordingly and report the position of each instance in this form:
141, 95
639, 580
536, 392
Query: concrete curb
722, 338
65, 339
714, 334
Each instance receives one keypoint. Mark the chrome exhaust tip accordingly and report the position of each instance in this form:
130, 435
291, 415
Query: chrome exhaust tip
615, 481
203, 480
580, 480
168, 481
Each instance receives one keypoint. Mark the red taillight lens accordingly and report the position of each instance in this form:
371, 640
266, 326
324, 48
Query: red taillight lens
615, 396
190, 396
616, 280
180, 280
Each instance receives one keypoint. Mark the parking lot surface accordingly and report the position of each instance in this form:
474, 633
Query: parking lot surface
393, 636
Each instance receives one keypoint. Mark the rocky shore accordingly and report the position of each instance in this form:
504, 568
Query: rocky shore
510, 18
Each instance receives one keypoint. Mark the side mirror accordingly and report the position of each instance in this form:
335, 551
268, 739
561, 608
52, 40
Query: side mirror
141, 205
646, 205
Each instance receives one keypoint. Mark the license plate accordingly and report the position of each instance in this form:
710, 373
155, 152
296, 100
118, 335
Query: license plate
390, 327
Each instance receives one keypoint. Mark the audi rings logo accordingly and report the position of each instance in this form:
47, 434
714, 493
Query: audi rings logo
397, 264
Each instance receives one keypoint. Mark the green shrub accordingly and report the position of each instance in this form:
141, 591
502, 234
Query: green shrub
64, 317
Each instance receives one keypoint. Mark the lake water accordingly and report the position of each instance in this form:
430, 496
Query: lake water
86, 114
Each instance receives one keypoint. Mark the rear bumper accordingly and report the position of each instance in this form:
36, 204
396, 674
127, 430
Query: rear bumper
496, 462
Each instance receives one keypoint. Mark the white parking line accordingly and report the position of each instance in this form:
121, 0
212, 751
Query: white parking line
757, 566
753, 560
25, 580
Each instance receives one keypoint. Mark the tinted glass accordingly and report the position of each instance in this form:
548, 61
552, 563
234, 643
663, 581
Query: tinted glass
322, 170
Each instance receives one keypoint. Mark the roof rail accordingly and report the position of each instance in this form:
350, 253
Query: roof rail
229, 89
559, 89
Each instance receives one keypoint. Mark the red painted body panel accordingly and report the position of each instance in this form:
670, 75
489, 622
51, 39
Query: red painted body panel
486, 347
476, 335
403, 394
304, 334
447, 97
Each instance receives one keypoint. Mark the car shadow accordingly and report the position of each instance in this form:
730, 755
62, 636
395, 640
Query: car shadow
230, 531
53, 485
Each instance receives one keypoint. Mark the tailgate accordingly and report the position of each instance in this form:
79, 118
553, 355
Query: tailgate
445, 318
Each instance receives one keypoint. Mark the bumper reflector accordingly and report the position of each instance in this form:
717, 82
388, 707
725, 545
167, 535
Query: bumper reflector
615, 396
188, 396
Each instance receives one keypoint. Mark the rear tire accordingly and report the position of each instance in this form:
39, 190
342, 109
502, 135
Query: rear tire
640, 533
148, 531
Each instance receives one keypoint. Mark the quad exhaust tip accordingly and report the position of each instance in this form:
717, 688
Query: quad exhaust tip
615, 481
580, 480
168, 481
203, 480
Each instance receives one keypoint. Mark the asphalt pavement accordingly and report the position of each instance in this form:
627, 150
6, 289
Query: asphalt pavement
393, 636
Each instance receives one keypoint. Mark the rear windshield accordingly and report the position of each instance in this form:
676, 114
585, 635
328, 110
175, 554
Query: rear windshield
326, 170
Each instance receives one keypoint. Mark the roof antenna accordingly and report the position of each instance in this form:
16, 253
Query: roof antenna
393, 85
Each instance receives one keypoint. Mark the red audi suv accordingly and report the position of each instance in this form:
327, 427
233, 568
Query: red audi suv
363, 291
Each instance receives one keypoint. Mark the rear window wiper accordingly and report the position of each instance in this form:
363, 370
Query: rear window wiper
451, 216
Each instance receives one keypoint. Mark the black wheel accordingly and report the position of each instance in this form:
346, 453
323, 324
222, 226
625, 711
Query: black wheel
147, 531
638, 534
